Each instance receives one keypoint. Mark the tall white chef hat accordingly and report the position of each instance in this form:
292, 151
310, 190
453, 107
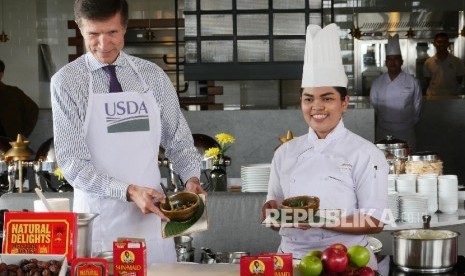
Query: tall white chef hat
323, 59
393, 47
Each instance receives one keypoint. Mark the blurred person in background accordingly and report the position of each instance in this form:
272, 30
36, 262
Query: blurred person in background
18, 112
443, 71
396, 97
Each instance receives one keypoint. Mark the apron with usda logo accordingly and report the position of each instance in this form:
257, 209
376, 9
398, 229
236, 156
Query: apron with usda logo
325, 172
122, 131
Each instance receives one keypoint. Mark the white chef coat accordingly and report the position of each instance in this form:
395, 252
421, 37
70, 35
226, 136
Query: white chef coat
122, 132
397, 104
443, 74
344, 170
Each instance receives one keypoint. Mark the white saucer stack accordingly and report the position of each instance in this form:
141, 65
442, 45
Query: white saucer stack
254, 177
393, 204
413, 207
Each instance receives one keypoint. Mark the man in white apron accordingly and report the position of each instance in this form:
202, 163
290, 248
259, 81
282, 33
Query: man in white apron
342, 169
107, 143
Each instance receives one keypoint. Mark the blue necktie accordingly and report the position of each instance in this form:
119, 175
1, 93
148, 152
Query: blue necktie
115, 86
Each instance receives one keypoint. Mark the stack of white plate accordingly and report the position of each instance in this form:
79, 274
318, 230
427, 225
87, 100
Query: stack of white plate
393, 204
254, 177
413, 207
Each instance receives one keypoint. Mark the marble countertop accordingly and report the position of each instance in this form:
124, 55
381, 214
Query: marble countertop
438, 219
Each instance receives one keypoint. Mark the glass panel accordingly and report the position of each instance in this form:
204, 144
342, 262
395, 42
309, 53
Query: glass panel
250, 5
217, 51
252, 24
211, 5
289, 24
190, 5
216, 24
190, 23
314, 18
289, 49
253, 50
288, 4
190, 52
314, 4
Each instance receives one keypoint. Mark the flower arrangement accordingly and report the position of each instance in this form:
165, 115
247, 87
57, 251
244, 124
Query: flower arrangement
223, 139
58, 173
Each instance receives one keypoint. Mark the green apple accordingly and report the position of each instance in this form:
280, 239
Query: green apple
310, 266
359, 256
316, 253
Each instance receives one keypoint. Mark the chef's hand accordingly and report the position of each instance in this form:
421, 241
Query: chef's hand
272, 204
193, 185
144, 198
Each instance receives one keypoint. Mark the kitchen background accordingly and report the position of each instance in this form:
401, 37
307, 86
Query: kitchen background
42, 40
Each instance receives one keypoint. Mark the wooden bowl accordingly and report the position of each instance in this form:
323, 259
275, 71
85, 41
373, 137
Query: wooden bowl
304, 203
185, 206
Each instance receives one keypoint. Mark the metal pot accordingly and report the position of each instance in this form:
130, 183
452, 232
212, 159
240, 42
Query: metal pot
84, 245
183, 242
394, 146
425, 250
396, 152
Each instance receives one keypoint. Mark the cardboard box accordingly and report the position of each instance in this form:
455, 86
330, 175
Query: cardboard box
282, 263
89, 267
41, 233
129, 257
16, 259
257, 265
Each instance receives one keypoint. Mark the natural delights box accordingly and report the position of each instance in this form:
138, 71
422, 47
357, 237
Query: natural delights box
129, 257
41, 233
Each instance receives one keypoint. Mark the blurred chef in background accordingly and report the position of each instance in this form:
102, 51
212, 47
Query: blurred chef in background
443, 71
341, 168
396, 97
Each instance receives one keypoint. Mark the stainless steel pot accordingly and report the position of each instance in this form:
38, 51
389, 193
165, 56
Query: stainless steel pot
85, 234
425, 250
396, 152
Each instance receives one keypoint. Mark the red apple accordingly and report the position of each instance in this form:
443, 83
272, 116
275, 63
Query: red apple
334, 260
365, 271
339, 246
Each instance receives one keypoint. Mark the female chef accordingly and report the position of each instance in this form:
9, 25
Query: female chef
341, 168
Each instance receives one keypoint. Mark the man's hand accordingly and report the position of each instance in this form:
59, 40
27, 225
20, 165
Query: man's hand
144, 199
193, 185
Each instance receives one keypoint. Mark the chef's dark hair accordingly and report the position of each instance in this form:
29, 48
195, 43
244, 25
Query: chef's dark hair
100, 10
342, 91
2, 66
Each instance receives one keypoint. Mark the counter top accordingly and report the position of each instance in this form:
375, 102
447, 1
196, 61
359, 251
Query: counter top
192, 269
438, 219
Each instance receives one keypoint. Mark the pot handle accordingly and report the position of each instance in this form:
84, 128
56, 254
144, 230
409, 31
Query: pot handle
426, 221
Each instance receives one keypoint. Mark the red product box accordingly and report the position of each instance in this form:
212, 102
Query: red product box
257, 265
282, 263
129, 257
89, 267
41, 233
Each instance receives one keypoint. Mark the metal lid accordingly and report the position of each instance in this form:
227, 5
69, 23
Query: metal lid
391, 143
424, 156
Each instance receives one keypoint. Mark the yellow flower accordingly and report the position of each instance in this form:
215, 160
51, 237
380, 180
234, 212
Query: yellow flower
212, 152
224, 138
58, 174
